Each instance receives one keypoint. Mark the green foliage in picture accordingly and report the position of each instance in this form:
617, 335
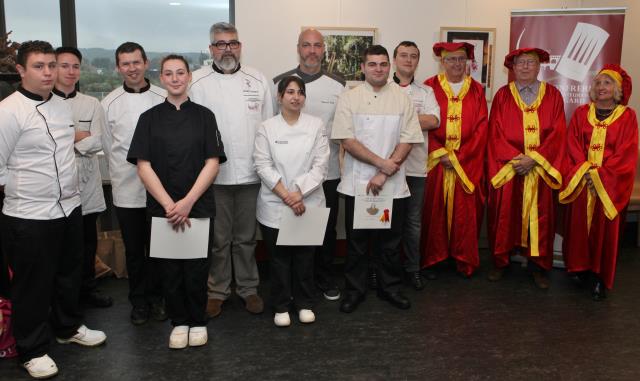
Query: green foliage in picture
343, 55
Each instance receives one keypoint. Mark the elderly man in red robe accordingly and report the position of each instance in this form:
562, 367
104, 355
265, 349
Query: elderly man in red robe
527, 132
454, 196
602, 150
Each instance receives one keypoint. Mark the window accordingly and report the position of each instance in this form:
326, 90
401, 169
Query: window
33, 20
161, 27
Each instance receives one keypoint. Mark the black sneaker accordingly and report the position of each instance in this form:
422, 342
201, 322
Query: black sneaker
139, 315
158, 313
332, 293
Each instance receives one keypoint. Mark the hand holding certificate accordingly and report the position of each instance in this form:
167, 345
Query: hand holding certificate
304, 230
168, 243
373, 211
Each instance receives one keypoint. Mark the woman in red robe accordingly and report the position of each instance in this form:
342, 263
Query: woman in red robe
602, 154
527, 130
454, 196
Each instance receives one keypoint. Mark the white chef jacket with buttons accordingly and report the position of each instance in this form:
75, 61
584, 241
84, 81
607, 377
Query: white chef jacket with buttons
88, 115
240, 102
122, 109
322, 92
380, 121
37, 164
297, 155
424, 101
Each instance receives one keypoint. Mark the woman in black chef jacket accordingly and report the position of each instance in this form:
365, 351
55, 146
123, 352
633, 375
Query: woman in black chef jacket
178, 150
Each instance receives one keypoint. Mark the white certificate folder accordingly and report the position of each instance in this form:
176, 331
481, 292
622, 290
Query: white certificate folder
373, 212
305, 230
191, 243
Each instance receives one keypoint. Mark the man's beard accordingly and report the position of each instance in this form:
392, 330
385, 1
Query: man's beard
309, 64
227, 62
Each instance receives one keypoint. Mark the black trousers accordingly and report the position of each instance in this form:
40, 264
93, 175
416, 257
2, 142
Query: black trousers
46, 259
144, 281
185, 287
90, 241
385, 252
291, 269
324, 254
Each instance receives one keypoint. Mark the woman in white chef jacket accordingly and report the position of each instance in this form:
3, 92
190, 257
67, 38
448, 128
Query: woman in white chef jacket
291, 157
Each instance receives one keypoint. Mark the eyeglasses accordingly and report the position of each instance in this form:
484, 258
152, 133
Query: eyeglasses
455, 59
223, 45
522, 63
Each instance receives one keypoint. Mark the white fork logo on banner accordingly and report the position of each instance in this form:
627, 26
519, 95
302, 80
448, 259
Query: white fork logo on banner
586, 43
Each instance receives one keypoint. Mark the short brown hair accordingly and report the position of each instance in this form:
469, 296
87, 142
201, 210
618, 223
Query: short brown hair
34, 46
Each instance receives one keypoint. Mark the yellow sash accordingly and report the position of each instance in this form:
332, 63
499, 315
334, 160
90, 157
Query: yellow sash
594, 161
544, 169
452, 144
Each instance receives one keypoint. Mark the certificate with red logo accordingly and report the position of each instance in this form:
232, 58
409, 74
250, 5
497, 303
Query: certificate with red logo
373, 212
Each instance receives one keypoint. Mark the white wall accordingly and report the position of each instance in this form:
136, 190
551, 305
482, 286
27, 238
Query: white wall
269, 28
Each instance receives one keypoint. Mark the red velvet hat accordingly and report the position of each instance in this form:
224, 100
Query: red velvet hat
543, 55
438, 47
621, 77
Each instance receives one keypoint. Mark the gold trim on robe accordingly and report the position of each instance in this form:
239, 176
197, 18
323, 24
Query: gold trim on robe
452, 144
595, 156
550, 175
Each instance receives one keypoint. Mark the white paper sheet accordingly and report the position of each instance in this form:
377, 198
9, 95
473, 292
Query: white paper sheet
305, 230
191, 243
373, 212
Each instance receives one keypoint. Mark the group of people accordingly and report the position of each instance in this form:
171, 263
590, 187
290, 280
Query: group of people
521, 162
209, 146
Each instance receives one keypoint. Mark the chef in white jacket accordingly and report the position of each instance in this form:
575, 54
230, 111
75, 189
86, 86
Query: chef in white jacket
291, 158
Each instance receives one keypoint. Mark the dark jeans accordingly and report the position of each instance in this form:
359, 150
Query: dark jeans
291, 269
185, 287
324, 254
413, 224
385, 252
90, 240
46, 259
144, 283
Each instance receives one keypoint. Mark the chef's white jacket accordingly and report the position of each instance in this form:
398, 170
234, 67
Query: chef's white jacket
297, 156
240, 102
122, 110
37, 163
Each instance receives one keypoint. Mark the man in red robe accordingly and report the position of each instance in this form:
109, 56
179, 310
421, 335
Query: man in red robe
527, 132
454, 197
602, 152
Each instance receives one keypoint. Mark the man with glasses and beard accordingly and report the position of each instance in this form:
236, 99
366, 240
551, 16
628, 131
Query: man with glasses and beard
240, 98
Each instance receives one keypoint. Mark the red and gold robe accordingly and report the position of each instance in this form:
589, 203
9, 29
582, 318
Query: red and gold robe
539, 131
608, 151
454, 198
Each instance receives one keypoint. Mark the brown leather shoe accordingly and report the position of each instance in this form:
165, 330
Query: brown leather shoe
254, 304
214, 307
495, 274
541, 280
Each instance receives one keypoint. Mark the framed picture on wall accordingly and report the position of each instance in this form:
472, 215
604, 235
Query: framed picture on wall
343, 47
484, 41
